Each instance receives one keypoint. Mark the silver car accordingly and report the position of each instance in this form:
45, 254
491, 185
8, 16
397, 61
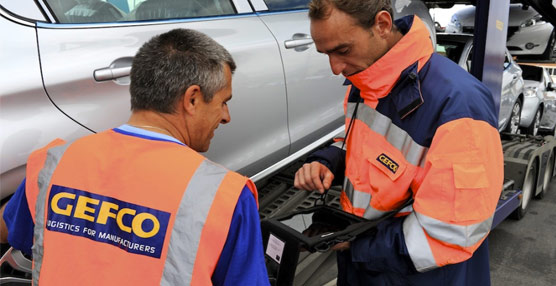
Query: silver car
65, 67
528, 33
459, 48
537, 84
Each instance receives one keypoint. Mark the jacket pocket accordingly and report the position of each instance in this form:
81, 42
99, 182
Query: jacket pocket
470, 185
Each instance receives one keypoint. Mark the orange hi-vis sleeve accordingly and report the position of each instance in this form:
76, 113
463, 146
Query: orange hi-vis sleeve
455, 194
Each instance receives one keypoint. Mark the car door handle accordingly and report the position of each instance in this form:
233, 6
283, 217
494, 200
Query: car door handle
105, 74
118, 71
299, 42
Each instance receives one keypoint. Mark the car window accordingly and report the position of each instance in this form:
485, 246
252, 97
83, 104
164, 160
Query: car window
276, 5
532, 73
451, 50
547, 78
105, 11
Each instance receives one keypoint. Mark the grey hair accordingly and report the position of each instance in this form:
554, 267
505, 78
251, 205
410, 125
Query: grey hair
168, 64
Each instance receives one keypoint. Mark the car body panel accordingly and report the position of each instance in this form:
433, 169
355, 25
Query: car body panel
537, 35
532, 100
306, 87
246, 37
512, 89
27, 117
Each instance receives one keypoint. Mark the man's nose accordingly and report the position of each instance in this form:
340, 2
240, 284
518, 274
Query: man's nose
226, 118
336, 65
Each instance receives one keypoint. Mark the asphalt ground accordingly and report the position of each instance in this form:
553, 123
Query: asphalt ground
523, 252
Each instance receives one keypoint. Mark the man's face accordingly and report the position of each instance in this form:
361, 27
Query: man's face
350, 47
211, 114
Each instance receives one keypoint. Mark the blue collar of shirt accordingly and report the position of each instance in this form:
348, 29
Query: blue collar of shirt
143, 133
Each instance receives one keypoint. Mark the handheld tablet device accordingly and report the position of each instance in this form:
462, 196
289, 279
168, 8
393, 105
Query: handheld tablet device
314, 229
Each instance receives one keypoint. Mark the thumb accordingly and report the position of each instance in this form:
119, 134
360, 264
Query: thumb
327, 180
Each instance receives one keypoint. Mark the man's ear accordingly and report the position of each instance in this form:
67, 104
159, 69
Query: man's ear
383, 23
191, 99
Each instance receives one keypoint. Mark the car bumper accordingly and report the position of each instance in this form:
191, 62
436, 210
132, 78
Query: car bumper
530, 40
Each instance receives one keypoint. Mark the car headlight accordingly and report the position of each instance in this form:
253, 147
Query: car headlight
531, 22
530, 92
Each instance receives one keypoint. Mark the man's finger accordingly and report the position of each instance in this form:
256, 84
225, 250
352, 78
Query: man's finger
328, 178
315, 177
309, 184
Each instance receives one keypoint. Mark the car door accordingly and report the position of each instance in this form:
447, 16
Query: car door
314, 93
83, 47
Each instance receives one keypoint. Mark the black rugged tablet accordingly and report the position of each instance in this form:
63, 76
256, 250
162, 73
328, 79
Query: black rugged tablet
313, 229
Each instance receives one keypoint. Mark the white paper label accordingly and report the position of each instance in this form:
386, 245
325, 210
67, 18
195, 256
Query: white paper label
275, 248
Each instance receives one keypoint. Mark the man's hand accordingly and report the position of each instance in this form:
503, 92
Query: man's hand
341, 246
3, 227
313, 176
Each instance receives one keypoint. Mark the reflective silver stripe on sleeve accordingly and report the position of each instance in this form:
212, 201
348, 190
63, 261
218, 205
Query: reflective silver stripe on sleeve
397, 137
417, 244
53, 157
461, 235
188, 226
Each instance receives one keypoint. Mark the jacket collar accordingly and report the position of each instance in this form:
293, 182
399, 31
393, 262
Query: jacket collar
414, 48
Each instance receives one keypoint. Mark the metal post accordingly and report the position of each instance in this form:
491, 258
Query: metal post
489, 44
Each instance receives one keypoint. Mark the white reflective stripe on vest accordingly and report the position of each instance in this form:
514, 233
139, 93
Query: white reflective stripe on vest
188, 226
417, 244
413, 152
53, 157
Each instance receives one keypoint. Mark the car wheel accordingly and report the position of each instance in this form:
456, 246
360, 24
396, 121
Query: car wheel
548, 174
528, 191
533, 129
515, 118
549, 51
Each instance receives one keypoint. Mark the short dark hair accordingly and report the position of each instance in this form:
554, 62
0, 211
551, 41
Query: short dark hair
168, 64
363, 11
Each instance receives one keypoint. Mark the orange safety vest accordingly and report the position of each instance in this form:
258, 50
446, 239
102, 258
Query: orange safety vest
112, 209
455, 188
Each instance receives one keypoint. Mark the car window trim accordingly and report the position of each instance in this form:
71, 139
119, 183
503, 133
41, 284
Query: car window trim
140, 23
296, 10
46, 11
16, 18
242, 7
259, 5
